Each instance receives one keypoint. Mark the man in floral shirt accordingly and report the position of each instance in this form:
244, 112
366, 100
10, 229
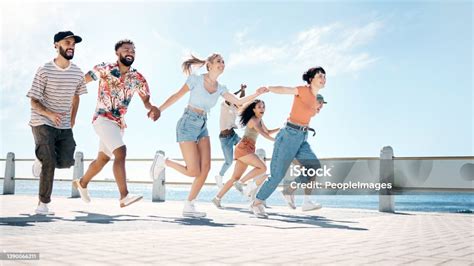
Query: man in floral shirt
118, 82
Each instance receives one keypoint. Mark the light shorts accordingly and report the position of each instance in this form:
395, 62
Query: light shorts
192, 126
110, 135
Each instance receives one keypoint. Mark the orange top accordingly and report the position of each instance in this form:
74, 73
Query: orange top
304, 106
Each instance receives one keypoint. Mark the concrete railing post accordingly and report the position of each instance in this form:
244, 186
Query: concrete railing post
9, 180
78, 172
387, 172
261, 154
159, 182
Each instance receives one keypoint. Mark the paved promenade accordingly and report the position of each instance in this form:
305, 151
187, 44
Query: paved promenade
101, 233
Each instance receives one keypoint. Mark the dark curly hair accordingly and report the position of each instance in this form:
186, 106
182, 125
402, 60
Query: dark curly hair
310, 73
248, 112
122, 42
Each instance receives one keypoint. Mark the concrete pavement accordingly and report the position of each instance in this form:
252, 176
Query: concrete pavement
102, 233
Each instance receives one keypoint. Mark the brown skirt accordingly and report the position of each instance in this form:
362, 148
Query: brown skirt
245, 147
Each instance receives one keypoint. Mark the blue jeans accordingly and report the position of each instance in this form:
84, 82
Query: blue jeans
227, 145
290, 144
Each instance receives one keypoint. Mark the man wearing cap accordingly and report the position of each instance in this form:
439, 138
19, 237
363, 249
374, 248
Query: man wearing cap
54, 98
118, 82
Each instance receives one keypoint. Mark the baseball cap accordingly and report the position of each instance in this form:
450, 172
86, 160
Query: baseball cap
65, 34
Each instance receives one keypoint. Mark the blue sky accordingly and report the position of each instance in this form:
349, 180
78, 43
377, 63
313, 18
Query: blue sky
398, 73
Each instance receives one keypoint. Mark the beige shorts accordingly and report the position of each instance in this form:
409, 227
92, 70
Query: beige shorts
110, 135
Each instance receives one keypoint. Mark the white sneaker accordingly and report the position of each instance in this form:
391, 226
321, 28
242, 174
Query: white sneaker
36, 168
250, 190
43, 209
219, 181
129, 199
217, 202
258, 210
238, 186
290, 199
83, 192
158, 166
190, 211
310, 206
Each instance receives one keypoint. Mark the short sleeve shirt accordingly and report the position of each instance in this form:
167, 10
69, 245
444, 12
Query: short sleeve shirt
304, 106
199, 97
55, 87
116, 91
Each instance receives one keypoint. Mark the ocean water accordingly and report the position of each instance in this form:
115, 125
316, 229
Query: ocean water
426, 202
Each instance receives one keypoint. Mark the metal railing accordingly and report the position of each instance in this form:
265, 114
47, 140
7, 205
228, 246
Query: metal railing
426, 174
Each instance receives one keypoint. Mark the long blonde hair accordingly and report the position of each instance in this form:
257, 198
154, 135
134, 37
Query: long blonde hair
188, 64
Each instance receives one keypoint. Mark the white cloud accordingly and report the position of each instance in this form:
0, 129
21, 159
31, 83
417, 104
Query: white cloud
257, 55
336, 46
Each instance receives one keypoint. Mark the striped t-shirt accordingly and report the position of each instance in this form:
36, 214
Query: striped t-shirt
55, 87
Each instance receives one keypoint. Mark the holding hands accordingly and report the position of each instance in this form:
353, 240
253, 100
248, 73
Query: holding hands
262, 90
154, 113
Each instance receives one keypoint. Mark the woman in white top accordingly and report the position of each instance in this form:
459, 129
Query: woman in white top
227, 136
191, 130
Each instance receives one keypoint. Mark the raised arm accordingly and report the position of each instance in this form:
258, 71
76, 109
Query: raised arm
283, 90
242, 90
241, 101
175, 97
260, 129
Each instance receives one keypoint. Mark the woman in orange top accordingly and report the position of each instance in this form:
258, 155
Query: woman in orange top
291, 142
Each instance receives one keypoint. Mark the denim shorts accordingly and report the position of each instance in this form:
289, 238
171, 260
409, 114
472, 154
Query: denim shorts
192, 126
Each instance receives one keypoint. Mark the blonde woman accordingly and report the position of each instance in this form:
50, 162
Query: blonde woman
191, 129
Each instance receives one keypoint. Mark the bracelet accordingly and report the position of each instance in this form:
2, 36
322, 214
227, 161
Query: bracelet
92, 75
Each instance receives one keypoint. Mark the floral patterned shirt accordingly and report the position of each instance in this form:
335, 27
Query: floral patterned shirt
116, 91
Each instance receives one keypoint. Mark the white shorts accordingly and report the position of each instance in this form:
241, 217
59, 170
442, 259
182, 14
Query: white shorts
110, 135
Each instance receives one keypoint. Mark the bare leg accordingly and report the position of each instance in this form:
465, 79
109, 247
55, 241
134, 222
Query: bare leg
255, 161
204, 148
260, 180
119, 170
239, 170
190, 152
94, 168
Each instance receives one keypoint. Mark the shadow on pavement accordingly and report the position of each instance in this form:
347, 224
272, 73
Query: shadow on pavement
99, 218
318, 221
28, 219
309, 220
192, 221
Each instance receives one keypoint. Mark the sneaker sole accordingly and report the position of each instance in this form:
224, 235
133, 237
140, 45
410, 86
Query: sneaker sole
130, 203
42, 213
218, 206
292, 206
193, 215
311, 209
